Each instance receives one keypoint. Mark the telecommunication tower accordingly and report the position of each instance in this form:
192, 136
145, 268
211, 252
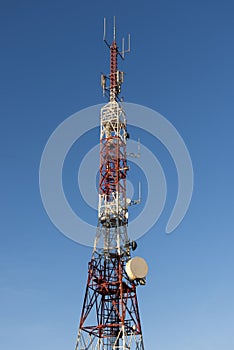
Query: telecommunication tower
110, 318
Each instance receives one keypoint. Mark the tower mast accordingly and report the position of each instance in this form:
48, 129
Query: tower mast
110, 316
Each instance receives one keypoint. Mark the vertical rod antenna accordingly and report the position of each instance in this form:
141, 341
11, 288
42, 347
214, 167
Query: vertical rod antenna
139, 192
139, 147
114, 29
104, 29
122, 48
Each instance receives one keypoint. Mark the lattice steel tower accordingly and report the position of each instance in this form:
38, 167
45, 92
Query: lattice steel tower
110, 316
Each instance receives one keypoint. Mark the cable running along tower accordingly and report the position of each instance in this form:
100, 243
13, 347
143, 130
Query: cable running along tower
110, 318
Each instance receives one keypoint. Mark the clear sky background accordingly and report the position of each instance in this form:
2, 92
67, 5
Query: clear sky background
181, 65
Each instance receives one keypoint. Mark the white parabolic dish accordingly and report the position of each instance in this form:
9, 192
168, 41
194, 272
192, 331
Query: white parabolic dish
136, 268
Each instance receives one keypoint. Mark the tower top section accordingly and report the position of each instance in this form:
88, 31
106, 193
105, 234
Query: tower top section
116, 77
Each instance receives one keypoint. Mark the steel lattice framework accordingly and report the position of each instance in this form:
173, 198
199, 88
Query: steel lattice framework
110, 316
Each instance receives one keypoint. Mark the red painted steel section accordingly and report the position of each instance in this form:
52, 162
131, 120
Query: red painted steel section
113, 166
113, 66
112, 298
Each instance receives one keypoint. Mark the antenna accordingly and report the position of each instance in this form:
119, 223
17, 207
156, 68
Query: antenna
138, 154
104, 29
104, 32
123, 49
114, 29
136, 201
122, 54
139, 189
116, 77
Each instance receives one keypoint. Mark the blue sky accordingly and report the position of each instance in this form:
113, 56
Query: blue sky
181, 65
